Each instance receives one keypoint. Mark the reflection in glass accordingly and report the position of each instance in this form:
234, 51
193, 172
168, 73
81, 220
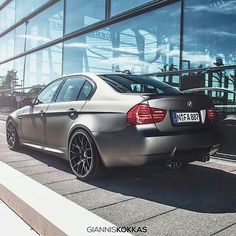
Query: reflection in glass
43, 66
46, 26
18, 67
124, 5
4, 68
7, 16
7, 46
25, 7
209, 33
133, 44
81, 13
20, 32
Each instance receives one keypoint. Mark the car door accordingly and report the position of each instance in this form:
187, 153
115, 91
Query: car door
33, 118
61, 114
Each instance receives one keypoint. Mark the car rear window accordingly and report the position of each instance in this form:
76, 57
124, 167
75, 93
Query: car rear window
138, 84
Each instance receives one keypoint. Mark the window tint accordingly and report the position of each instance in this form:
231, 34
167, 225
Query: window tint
47, 95
85, 91
70, 90
138, 84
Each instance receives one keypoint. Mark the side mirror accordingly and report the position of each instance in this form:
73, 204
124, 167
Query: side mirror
34, 101
26, 102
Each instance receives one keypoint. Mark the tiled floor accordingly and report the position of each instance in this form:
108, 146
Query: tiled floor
198, 200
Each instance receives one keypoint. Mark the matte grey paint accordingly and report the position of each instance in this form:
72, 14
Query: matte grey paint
104, 117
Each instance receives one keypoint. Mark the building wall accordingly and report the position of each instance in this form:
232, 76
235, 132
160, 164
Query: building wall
41, 40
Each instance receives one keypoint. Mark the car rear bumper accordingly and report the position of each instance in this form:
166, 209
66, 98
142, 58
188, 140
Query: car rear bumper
134, 146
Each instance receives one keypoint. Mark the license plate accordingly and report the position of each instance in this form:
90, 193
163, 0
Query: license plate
186, 117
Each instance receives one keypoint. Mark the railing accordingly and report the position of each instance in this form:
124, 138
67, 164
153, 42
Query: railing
18, 89
197, 70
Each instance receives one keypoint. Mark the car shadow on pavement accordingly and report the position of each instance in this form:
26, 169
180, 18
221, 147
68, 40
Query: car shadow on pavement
195, 188
50, 160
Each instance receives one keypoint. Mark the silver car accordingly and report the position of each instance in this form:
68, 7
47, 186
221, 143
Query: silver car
108, 120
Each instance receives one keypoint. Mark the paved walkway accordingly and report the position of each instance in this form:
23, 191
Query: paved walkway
199, 200
3, 117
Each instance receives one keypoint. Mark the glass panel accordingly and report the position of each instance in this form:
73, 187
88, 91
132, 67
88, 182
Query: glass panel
2, 1
19, 69
46, 26
124, 5
25, 7
20, 39
7, 46
172, 80
81, 13
7, 81
138, 84
4, 68
43, 66
85, 92
7, 16
48, 94
70, 90
133, 44
209, 33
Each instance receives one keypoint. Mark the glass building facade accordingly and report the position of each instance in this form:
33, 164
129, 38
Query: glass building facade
176, 39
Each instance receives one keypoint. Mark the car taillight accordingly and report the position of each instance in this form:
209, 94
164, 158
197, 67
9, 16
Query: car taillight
143, 114
211, 113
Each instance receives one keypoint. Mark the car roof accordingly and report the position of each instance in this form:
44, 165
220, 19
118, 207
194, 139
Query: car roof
103, 90
92, 74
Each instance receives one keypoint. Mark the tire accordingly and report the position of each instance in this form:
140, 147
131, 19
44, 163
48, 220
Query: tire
12, 136
83, 156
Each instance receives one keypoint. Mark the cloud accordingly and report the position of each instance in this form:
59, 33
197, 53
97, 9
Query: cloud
216, 32
198, 58
77, 45
228, 7
132, 50
132, 64
35, 37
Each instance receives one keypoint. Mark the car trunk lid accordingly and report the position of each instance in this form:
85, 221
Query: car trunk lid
190, 107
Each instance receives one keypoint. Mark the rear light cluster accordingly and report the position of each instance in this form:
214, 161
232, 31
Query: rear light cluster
143, 114
211, 113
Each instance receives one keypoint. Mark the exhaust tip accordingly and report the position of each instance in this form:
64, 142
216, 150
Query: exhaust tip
171, 165
205, 159
178, 164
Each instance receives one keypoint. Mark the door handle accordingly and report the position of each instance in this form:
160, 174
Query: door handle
72, 111
42, 113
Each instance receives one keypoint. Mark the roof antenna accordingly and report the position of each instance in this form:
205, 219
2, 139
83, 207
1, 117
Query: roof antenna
127, 72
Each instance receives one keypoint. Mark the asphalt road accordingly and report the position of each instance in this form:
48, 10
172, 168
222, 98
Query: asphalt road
198, 200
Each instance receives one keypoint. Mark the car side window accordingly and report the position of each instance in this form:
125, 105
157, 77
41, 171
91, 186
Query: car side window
85, 91
70, 89
48, 93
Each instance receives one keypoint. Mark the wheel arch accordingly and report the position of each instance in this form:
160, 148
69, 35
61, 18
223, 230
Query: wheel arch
17, 124
77, 127
14, 122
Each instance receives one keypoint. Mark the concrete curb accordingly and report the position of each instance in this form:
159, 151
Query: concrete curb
47, 212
